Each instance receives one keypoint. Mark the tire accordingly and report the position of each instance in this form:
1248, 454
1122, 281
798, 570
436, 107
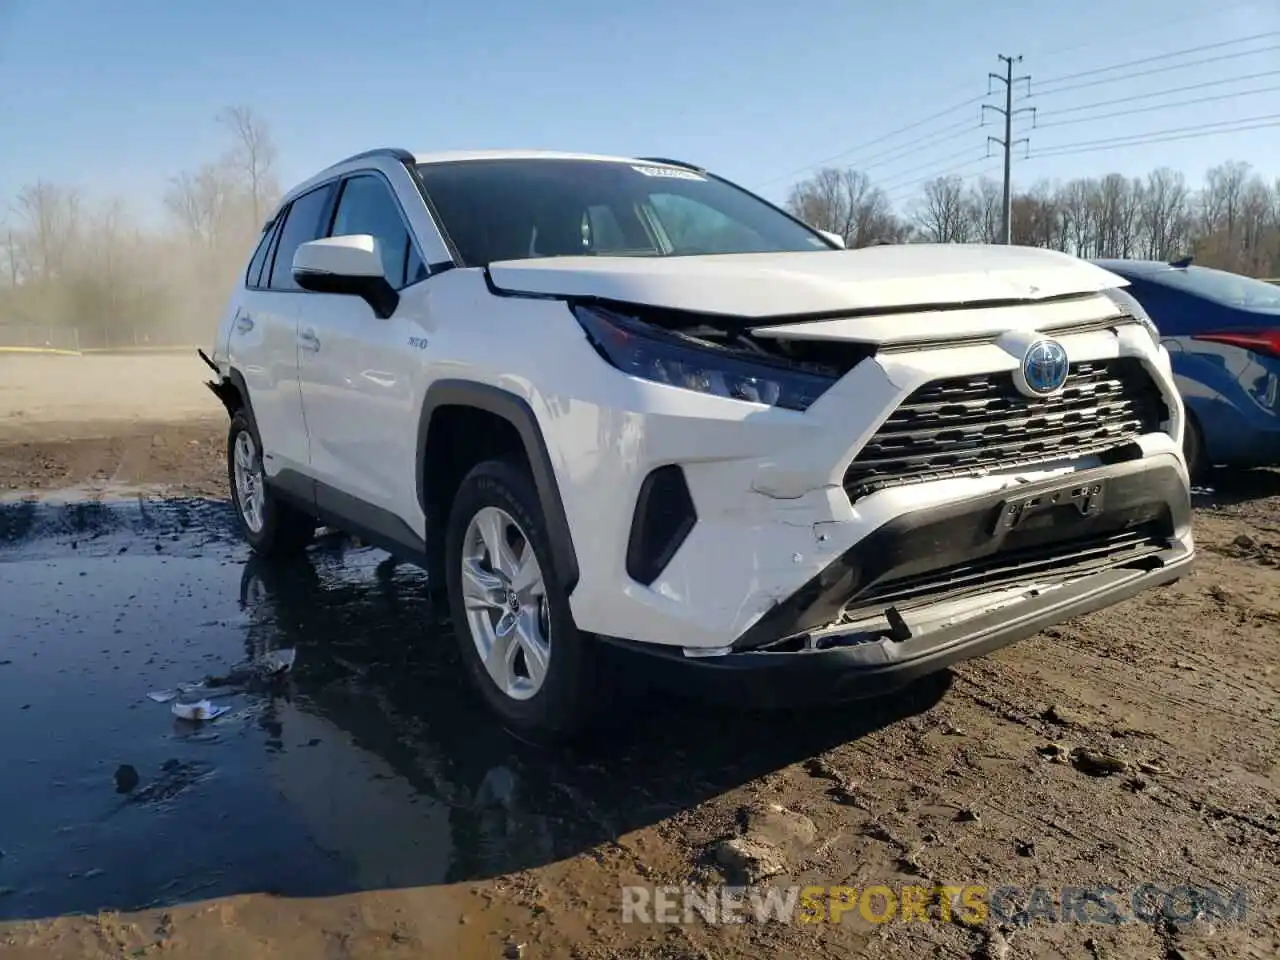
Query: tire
272, 527
1193, 449
562, 703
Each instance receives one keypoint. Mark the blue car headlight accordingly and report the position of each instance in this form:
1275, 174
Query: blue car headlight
1129, 304
692, 363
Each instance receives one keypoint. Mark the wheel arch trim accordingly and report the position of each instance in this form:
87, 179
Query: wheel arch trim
516, 411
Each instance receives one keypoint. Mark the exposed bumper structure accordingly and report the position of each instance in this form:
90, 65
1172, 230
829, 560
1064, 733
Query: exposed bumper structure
947, 583
816, 676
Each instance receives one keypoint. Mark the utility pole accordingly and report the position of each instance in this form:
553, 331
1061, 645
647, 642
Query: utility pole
1008, 143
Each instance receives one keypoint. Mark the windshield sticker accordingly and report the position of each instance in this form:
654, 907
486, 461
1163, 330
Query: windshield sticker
672, 173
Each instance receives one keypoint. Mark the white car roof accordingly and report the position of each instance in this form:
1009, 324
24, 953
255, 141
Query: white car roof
447, 156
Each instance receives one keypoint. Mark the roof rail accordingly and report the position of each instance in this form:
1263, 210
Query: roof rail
396, 153
672, 163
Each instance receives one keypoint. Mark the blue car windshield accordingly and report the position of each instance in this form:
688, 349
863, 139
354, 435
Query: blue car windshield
1230, 289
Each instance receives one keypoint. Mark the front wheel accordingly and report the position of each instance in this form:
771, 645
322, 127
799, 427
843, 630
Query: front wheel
511, 616
272, 527
1193, 449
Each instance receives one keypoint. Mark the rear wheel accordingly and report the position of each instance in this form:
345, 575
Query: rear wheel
511, 616
272, 527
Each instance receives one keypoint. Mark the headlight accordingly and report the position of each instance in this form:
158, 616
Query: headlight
1127, 302
664, 356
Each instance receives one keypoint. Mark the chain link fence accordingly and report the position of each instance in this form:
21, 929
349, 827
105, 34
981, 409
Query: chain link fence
68, 339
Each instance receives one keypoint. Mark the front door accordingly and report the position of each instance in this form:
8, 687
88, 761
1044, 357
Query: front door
357, 373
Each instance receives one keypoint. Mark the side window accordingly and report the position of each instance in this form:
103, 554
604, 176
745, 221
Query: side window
414, 268
367, 205
253, 276
302, 223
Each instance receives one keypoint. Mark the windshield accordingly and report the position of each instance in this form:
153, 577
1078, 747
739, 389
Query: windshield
1222, 287
520, 208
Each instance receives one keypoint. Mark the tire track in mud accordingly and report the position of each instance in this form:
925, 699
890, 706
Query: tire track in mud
31, 529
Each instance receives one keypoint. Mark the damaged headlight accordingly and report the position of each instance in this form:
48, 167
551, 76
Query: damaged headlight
663, 356
1127, 302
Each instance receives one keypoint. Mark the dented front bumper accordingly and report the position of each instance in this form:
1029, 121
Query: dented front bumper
814, 676
947, 583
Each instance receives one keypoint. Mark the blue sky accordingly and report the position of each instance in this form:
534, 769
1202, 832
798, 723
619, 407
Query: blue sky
116, 97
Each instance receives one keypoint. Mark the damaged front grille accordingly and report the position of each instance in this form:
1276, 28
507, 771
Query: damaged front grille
983, 422
1057, 560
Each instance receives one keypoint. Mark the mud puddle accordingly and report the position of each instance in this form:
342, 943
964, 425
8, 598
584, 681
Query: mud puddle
371, 768
368, 807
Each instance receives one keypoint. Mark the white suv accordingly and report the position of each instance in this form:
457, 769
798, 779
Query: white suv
627, 412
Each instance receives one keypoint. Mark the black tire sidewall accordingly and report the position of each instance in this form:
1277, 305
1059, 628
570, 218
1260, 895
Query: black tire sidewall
1193, 448
571, 691
282, 530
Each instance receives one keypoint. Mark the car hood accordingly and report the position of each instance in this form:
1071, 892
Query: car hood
801, 285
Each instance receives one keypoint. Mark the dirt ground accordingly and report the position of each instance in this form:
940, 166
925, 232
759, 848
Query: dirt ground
95, 393
1135, 746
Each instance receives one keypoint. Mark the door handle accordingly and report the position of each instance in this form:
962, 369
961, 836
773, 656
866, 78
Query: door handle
244, 323
308, 340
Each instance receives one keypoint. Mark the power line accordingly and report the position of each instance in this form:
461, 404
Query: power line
1164, 56
903, 190
1165, 92
1102, 35
925, 166
878, 140
913, 146
1158, 106
1139, 143
1161, 136
1147, 73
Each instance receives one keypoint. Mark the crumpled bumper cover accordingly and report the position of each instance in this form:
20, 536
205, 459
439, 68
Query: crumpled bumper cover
1134, 494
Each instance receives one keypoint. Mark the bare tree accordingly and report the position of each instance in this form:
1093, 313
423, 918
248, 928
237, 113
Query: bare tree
844, 202
1165, 214
985, 198
9, 238
1257, 242
48, 227
1037, 219
201, 203
1220, 206
253, 157
944, 213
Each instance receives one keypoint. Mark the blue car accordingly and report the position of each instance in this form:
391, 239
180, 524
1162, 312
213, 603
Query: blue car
1222, 331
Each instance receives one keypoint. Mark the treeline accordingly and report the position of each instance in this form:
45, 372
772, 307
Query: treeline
1231, 221
75, 274
81, 275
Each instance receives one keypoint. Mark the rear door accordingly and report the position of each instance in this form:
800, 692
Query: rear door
266, 333
261, 347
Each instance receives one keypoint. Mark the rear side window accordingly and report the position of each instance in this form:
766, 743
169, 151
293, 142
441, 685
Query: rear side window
302, 223
253, 276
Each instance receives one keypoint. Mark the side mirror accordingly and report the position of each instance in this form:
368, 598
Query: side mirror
350, 265
833, 237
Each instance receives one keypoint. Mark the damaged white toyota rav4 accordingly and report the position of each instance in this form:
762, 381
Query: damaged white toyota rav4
627, 412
